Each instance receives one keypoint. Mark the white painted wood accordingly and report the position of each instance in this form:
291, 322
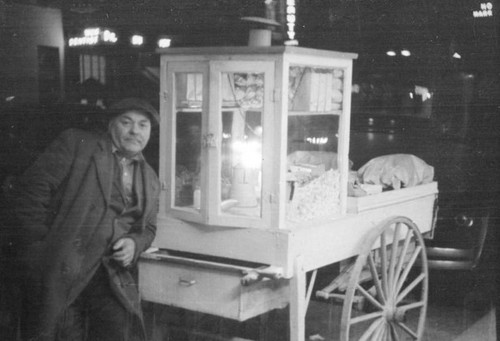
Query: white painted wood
165, 122
275, 63
168, 136
251, 52
278, 190
299, 249
344, 134
298, 302
215, 215
308, 113
329, 243
370, 202
208, 287
272, 241
320, 242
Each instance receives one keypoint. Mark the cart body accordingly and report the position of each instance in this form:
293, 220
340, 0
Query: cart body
224, 220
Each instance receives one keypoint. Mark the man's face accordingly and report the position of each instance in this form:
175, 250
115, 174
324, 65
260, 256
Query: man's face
130, 132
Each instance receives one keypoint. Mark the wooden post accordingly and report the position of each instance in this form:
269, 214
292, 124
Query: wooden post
298, 302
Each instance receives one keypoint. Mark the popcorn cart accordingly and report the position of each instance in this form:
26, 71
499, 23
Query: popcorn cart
254, 168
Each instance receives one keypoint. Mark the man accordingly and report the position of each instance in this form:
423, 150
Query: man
87, 209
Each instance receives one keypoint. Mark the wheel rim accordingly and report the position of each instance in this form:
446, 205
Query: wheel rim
396, 296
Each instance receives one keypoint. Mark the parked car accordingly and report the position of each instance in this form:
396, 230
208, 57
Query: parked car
466, 169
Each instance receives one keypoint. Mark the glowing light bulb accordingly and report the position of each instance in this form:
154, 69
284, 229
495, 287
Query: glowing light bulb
405, 53
137, 40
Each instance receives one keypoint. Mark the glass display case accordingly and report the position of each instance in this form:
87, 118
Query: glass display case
254, 167
254, 137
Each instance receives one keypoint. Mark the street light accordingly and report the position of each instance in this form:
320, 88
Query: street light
405, 53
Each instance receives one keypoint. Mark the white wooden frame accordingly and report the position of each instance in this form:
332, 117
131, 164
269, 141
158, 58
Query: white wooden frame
292, 249
216, 69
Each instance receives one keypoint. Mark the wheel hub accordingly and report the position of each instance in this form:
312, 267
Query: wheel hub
393, 313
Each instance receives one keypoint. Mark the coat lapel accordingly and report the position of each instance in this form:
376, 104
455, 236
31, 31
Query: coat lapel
149, 189
104, 165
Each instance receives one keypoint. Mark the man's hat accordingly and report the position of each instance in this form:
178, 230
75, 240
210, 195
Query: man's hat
138, 104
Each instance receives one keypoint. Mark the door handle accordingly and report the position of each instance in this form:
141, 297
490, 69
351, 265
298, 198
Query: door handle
209, 141
186, 282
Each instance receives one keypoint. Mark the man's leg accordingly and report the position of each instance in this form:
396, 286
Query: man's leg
108, 320
71, 326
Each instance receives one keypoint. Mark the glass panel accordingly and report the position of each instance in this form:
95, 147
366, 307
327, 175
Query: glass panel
315, 103
313, 89
188, 97
241, 152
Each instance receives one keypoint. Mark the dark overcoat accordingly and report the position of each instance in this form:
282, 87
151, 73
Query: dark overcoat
61, 201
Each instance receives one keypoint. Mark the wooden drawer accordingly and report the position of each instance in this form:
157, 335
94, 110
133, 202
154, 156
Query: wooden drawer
208, 287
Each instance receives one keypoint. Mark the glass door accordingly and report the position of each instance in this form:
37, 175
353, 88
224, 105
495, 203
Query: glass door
315, 107
243, 115
183, 131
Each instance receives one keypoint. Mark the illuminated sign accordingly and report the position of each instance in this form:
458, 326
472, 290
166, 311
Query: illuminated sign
164, 42
423, 92
485, 11
404, 53
137, 40
93, 36
290, 23
317, 140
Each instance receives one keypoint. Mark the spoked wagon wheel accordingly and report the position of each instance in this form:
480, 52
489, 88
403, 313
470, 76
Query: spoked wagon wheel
396, 294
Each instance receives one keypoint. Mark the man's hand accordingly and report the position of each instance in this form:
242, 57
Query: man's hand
123, 251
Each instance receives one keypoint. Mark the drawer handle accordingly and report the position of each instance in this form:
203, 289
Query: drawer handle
186, 282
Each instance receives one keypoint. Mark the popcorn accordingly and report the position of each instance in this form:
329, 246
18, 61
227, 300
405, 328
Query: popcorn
318, 198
